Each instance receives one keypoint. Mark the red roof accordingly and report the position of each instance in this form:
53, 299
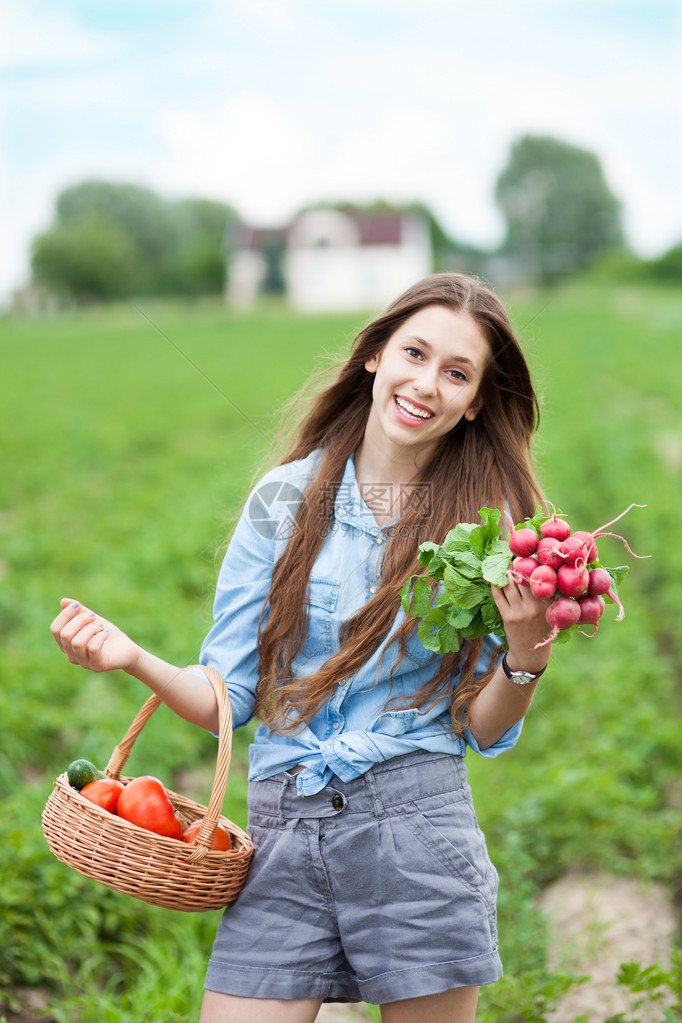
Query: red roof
378, 228
255, 239
373, 228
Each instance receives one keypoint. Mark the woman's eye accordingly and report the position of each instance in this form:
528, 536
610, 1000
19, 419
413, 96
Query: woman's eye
413, 351
457, 374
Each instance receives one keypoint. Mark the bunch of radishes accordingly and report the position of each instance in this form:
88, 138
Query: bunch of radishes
562, 566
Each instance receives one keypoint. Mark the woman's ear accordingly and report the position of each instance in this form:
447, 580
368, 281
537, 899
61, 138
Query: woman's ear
371, 364
473, 411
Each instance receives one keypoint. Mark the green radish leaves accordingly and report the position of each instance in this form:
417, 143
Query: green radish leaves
459, 574
452, 596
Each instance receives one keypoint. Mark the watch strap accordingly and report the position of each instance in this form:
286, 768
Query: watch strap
521, 678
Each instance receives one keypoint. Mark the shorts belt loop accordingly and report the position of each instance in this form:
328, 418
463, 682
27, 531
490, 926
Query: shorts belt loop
280, 800
373, 789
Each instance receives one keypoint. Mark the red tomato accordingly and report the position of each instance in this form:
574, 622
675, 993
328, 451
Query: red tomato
104, 792
221, 841
144, 801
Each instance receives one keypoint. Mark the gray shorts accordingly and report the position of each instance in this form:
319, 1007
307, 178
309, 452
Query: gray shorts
371, 890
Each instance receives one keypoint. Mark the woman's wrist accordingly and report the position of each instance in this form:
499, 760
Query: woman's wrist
531, 661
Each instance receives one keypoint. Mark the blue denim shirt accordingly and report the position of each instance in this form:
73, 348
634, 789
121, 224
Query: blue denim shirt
354, 729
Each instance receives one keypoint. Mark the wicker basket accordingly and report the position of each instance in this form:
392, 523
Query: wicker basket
162, 871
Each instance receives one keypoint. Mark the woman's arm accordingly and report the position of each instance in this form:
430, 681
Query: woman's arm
94, 643
230, 647
502, 702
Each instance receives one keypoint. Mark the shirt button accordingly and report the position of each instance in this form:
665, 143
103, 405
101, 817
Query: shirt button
337, 725
338, 801
378, 539
372, 589
342, 513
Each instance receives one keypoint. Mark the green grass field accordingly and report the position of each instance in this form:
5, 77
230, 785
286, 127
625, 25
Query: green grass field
130, 438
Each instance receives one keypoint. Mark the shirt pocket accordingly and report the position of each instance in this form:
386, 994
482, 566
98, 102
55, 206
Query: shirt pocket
321, 603
395, 722
417, 652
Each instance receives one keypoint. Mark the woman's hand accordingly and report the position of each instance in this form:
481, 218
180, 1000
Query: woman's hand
91, 641
525, 626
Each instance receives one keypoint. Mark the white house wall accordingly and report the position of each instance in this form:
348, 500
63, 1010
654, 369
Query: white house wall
337, 279
245, 277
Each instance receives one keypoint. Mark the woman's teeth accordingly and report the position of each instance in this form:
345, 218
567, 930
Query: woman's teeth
412, 410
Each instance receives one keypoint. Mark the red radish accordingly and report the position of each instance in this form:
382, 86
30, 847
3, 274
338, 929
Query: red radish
557, 529
548, 552
599, 582
572, 580
523, 568
572, 549
591, 609
561, 614
590, 546
543, 582
523, 542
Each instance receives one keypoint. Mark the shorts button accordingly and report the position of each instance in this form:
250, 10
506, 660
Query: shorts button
338, 801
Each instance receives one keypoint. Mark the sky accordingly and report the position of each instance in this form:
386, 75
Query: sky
271, 104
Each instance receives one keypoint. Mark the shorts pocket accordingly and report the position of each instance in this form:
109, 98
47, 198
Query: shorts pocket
450, 832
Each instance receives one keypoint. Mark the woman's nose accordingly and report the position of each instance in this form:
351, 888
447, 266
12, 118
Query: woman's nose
425, 383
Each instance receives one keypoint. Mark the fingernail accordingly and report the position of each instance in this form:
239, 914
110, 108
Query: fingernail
91, 614
74, 604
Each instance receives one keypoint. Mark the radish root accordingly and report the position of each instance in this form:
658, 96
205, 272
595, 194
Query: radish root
618, 517
617, 536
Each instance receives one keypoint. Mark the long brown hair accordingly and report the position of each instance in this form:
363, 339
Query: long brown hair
483, 462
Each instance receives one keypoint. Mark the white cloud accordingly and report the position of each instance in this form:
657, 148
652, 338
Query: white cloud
276, 103
39, 35
249, 152
273, 15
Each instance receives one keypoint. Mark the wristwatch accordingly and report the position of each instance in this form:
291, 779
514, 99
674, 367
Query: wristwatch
521, 678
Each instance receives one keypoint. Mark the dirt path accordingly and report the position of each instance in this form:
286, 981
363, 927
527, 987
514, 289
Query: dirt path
342, 1012
598, 922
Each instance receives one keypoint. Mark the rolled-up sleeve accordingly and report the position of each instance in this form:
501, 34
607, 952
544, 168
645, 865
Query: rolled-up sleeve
505, 742
510, 737
243, 585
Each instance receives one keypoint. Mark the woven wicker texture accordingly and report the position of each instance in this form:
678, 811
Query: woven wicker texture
162, 871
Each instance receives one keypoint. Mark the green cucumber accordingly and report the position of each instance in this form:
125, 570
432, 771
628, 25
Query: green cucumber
82, 772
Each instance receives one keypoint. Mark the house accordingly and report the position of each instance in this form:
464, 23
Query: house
331, 260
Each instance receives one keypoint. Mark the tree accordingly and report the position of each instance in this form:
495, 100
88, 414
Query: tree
86, 260
144, 218
559, 209
198, 267
668, 267
113, 240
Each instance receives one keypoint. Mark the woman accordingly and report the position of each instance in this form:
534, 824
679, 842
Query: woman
370, 880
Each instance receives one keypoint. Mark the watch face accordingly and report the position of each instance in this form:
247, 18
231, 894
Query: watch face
522, 678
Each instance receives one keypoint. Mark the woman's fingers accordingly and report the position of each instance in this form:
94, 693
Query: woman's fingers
73, 629
82, 640
70, 608
91, 641
507, 595
94, 647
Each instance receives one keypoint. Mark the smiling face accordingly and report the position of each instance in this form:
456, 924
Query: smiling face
426, 378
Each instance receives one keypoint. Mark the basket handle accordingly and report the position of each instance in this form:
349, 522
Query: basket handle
120, 755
